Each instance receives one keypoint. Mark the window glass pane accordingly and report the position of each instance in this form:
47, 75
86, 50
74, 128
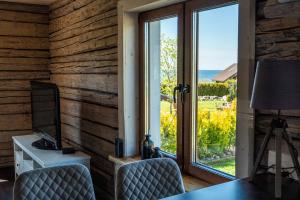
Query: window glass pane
161, 78
216, 34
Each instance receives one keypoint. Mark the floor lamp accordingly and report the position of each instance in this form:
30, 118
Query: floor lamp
277, 87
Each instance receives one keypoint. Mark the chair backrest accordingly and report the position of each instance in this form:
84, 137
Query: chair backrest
149, 180
71, 182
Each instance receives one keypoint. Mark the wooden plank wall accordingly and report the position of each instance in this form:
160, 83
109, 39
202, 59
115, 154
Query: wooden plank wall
24, 56
278, 37
83, 50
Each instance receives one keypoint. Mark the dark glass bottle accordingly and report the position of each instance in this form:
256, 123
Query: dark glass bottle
157, 153
147, 147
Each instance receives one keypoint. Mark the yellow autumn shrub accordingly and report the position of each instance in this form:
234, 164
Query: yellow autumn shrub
215, 131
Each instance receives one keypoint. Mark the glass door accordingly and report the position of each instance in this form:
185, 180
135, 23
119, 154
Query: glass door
162, 74
213, 41
188, 84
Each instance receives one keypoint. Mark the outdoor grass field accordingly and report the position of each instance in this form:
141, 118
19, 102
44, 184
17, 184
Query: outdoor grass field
225, 165
210, 105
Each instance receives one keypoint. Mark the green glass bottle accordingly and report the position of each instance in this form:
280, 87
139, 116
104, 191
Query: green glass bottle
157, 153
147, 147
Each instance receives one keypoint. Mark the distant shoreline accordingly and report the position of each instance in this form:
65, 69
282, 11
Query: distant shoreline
207, 75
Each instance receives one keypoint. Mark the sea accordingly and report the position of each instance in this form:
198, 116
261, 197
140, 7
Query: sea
207, 75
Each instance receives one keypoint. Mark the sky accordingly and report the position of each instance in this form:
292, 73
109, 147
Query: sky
218, 37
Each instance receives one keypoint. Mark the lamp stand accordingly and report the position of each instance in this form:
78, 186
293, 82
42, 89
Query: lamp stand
278, 129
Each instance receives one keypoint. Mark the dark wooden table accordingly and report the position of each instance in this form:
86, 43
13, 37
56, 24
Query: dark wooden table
261, 189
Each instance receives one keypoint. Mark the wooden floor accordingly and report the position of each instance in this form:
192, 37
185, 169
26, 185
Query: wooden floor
6, 183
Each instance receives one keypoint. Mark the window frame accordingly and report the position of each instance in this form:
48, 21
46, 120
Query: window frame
154, 15
184, 11
198, 170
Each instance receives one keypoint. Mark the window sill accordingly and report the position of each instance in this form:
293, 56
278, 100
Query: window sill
190, 183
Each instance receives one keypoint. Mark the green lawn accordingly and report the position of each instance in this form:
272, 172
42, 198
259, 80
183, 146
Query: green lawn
211, 105
225, 165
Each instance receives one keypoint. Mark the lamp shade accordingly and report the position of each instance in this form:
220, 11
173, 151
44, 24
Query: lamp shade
276, 85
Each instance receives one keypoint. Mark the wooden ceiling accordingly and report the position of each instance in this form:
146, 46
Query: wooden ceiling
39, 2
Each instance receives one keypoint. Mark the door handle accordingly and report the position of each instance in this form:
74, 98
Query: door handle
178, 87
183, 89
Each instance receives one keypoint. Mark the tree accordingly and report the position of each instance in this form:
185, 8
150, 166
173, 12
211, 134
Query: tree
168, 63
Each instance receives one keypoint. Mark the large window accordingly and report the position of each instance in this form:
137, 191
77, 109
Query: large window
162, 61
189, 84
160, 79
215, 92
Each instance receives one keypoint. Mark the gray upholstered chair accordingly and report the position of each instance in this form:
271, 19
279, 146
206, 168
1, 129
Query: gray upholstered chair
148, 180
72, 182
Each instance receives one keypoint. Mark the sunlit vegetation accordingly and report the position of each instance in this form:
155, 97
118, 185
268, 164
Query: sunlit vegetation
216, 115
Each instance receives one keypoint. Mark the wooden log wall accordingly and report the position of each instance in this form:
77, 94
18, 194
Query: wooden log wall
24, 56
277, 37
83, 63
